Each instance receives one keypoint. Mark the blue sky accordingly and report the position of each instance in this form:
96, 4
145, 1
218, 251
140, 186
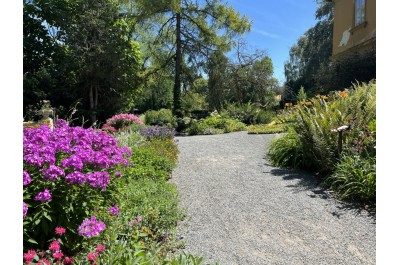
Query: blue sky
277, 24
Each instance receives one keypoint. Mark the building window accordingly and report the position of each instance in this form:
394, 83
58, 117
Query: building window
359, 12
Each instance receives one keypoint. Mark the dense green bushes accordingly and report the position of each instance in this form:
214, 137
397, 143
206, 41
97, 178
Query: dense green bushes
313, 142
162, 117
249, 113
215, 124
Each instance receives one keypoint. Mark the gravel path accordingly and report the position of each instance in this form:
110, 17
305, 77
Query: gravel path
241, 210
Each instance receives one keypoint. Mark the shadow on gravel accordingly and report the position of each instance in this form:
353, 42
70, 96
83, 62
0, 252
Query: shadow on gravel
313, 184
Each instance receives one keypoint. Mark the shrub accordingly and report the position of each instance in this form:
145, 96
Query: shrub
121, 121
286, 151
67, 173
215, 125
354, 178
249, 113
162, 117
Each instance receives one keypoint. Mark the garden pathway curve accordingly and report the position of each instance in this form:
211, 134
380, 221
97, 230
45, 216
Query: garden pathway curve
241, 210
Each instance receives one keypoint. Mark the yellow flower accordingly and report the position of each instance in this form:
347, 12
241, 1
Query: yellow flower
308, 103
324, 97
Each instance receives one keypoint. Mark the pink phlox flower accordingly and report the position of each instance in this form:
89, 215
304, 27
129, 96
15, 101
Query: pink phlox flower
43, 262
29, 256
54, 246
60, 230
100, 248
58, 255
92, 256
68, 260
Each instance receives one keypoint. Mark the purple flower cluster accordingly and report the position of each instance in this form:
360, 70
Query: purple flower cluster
53, 172
114, 210
158, 132
90, 228
98, 179
72, 152
122, 120
43, 196
27, 178
25, 209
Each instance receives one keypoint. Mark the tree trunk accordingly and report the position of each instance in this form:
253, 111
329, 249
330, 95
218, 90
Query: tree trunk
178, 67
92, 104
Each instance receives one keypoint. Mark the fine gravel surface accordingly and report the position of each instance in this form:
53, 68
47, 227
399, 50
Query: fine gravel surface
242, 210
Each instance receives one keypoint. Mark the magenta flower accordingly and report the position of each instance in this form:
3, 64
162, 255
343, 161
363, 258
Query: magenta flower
53, 172
90, 228
54, 246
139, 218
58, 255
43, 262
68, 260
100, 248
60, 230
43, 196
92, 256
114, 210
29, 256
98, 179
27, 178
75, 178
118, 174
25, 209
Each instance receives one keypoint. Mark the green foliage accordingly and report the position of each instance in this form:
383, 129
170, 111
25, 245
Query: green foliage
354, 178
249, 113
193, 101
301, 95
91, 58
215, 124
267, 128
162, 117
286, 151
313, 144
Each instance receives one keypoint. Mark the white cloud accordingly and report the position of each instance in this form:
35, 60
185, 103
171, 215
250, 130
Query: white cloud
266, 34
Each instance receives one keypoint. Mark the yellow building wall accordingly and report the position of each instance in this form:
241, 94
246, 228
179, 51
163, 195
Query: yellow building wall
347, 37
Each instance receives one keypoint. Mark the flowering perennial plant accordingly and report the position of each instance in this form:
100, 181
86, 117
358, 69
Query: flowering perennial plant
158, 132
90, 228
67, 172
120, 121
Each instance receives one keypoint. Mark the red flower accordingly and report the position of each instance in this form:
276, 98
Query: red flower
92, 256
28, 257
54, 246
44, 262
68, 260
58, 255
60, 230
100, 248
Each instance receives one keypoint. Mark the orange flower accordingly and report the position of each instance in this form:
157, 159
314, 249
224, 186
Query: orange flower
324, 97
309, 103
343, 93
